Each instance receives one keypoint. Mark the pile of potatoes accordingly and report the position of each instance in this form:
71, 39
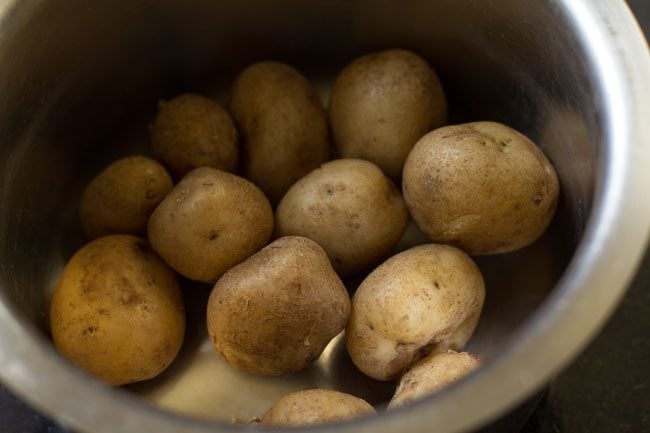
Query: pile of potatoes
249, 199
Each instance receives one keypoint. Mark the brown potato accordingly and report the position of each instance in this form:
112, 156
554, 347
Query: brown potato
283, 126
380, 106
117, 311
211, 221
482, 187
349, 208
316, 406
121, 198
424, 300
432, 374
274, 313
192, 131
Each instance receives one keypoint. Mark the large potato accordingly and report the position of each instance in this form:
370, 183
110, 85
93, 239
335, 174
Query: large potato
192, 131
432, 374
380, 106
283, 126
315, 406
117, 310
349, 208
274, 313
424, 300
482, 187
209, 222
121, 198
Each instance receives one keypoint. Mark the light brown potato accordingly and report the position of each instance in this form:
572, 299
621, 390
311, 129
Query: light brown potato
117, 311
274, 313
315, 406
427, 299
382, 104
209, 222
349, 208
283, 126
432, 374
192, 131
482, 187
121, 198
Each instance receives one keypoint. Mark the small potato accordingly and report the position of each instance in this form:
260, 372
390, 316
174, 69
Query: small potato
192, 131
349, 208
482, 187
209, 222
274, 313
382, 104
121, 198
283, 126
315, 406
117, 311
427, 299
432, 374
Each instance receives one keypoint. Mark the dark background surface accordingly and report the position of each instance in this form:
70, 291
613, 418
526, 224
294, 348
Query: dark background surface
606, 390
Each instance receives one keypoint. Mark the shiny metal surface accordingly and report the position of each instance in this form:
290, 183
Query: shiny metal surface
79, 82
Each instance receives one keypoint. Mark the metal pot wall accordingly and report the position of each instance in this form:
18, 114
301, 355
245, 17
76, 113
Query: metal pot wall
79, 81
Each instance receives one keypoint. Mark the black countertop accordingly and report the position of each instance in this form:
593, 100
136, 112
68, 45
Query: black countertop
606, 390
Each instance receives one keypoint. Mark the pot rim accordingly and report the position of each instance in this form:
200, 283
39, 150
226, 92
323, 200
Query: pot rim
594, 282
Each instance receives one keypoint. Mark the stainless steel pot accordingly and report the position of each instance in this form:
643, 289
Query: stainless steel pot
80, 80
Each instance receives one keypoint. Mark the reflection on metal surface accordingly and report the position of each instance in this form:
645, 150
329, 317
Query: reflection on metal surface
203, 385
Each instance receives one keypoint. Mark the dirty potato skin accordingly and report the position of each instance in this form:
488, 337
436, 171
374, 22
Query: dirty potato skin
274, 313
432, 374
424, 300
117, 311
315, 406
349, 208
283, 126
382, 104
192, 131
482, 187
121, 198
209, 222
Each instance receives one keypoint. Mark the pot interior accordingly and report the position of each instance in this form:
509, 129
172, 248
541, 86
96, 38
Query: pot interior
80, 83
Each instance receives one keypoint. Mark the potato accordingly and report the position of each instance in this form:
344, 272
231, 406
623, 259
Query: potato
192, 131
274, 313
482, 187
315, 406
121, 198
349, 208
427, 299
283, 126
117, 311
432, 374
381, 104
209, 222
